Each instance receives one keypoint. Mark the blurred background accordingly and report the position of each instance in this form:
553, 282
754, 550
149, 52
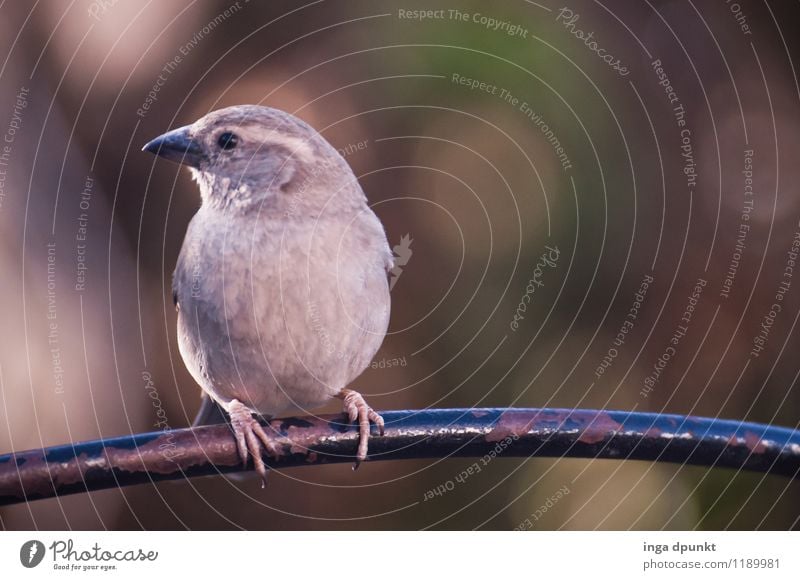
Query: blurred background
652, 147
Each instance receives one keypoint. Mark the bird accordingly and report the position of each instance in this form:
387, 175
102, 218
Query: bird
282, 282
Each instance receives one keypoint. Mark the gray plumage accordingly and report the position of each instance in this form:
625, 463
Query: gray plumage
281, 283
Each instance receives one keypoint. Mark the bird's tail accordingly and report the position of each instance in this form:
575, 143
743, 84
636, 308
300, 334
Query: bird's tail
210, 413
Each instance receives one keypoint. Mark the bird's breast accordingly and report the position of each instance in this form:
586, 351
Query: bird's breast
300, 312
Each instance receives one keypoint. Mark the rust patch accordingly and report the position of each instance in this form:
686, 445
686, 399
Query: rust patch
653, 432
754, 443
597, 428
594, 427
510, 423
40, 476
181, 449
298, 440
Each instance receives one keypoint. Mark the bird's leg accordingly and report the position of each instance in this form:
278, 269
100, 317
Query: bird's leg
357, 409
250, 437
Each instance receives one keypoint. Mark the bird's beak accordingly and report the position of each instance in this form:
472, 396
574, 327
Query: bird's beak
177, 146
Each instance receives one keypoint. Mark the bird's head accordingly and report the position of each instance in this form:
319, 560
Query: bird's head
252, 157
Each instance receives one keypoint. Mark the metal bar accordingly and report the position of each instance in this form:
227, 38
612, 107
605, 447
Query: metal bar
180, 453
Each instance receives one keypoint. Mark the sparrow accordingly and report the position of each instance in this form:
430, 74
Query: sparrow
281, 285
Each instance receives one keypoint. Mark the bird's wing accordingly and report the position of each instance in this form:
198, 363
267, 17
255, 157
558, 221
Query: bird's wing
388, 262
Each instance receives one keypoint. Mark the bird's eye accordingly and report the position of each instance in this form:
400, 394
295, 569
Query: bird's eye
227, 141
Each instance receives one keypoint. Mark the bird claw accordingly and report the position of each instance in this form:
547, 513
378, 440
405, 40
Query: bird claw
358, 411
251, 438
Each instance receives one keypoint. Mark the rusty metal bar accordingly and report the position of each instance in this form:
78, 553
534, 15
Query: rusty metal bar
180, 453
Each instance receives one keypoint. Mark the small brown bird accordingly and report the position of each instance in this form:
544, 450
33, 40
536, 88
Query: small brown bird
282, 282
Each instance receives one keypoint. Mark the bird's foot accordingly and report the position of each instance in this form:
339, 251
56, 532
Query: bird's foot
357, 409
250, 437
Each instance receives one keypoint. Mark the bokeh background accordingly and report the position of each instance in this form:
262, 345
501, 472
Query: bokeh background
90, 228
